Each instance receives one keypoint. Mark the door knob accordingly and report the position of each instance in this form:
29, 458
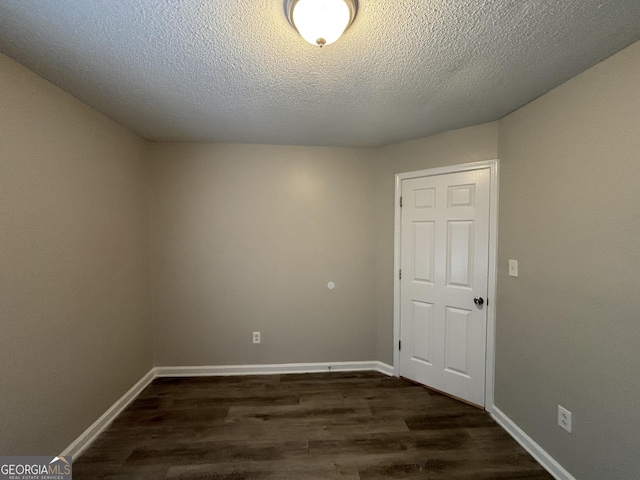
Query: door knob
478, 301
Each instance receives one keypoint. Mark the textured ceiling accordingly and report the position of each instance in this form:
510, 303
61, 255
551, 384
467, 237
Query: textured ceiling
236, 71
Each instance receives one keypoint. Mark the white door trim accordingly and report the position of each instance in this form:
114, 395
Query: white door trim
492, 165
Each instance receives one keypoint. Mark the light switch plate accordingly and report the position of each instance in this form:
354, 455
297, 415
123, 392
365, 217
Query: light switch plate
513, 268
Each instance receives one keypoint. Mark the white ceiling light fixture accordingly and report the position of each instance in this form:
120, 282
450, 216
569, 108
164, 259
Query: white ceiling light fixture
321, 22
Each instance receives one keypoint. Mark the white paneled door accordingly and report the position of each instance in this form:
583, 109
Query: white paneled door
444, 261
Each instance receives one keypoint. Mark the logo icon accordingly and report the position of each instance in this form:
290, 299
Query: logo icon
36, 468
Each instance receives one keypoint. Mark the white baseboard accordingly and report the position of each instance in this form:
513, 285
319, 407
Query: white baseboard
223, 370
89, 435
384, 368
542, 457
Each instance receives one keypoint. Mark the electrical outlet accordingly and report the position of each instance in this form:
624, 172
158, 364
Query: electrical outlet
564, 418
256, 337
513, 268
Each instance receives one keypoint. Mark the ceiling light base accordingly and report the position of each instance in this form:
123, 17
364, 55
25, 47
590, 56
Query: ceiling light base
289, 6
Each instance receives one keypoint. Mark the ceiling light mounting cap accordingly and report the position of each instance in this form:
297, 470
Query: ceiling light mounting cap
321, 22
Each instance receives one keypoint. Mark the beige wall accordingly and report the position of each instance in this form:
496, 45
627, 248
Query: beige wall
568, 329
74, 283
458, 146
246, 237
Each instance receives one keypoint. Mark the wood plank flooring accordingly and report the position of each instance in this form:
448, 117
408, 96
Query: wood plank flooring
360, 425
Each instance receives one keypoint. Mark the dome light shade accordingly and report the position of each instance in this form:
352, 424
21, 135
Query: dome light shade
321, 22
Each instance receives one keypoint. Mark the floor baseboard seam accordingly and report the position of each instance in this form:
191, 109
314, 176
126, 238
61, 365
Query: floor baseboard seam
550, 464
80, 444
77, 447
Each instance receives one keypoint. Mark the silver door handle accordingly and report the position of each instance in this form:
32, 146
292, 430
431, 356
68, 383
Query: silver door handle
479, 301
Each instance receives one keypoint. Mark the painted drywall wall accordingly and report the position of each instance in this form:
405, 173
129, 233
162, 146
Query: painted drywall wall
568, 329
246, 237
74, 281
466, 145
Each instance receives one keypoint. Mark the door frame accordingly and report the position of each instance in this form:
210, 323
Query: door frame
492, 165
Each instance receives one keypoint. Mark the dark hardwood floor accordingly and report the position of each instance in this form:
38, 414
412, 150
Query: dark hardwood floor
360, 425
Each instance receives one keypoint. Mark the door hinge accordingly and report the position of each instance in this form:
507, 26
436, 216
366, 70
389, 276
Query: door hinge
399, 344
400, 202
400, 274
